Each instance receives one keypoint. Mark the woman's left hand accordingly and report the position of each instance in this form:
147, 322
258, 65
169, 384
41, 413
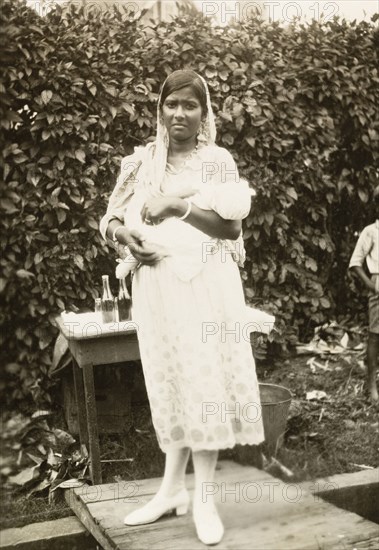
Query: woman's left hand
157, 209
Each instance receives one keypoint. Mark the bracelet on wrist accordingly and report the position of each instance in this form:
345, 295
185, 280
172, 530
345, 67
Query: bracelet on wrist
187, 212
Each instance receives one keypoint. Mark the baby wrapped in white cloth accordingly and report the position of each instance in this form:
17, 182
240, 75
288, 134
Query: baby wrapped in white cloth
183, 244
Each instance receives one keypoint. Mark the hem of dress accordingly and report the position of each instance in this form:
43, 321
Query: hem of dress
214, 446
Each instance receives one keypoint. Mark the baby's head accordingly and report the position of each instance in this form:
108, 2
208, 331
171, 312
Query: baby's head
184, 191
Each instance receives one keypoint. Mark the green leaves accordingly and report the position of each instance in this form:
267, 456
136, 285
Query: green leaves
24, 274
46, 96
80, 155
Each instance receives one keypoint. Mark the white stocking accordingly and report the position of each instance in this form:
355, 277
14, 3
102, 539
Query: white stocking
171, 495
174, 474
204, 463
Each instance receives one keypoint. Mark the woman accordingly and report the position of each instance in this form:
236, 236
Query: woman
188, 303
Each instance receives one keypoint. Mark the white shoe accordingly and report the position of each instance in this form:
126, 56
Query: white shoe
209, 527
153, 510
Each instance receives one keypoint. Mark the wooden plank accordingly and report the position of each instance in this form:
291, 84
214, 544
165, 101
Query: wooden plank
367, 544
355, 479
82, 513
245, 520
63, 532
258, 512
124, 490
100, 351
317, 529
263, 536
84, 327
78, 499
321, 527
251, 499
255, 499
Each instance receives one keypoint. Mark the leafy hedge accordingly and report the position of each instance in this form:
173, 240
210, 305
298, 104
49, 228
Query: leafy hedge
297, 107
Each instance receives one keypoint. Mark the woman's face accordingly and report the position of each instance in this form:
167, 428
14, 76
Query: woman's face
182, 114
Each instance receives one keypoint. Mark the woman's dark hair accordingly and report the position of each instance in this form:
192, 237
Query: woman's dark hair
181, 79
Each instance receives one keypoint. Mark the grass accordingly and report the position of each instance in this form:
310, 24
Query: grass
330, 436
17, 510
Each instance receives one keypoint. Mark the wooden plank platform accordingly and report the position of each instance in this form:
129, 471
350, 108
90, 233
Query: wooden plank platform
259, 512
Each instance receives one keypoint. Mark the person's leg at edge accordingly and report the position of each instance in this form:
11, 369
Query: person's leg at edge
172, 493
208, 524
372, 365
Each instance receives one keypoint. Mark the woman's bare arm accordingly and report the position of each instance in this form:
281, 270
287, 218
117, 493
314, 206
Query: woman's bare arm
207, 221
210, 222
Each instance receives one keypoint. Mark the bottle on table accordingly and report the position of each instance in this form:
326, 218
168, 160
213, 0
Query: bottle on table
107, 302
124, 302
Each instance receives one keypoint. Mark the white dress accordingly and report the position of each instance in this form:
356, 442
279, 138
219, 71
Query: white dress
195, 347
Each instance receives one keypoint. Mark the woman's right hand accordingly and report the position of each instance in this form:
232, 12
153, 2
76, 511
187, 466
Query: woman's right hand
138, 247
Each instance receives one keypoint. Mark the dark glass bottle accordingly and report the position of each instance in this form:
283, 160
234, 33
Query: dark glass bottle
124, 302
107, 302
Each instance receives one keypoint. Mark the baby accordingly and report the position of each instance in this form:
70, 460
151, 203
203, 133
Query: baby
171, 236
154, 235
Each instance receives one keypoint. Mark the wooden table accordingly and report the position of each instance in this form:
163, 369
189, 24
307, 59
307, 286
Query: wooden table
92, 343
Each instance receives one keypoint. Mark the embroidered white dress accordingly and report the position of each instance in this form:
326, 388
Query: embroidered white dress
191, 316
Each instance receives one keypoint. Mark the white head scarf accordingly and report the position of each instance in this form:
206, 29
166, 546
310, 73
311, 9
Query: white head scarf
155, 164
